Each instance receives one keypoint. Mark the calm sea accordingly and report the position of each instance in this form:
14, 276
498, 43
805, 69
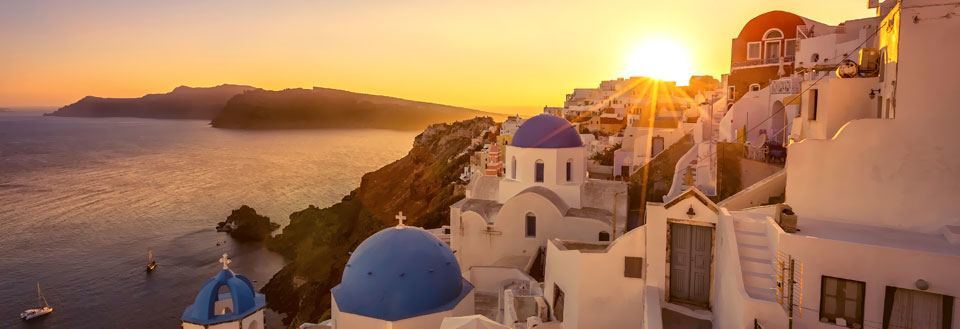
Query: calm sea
81, 201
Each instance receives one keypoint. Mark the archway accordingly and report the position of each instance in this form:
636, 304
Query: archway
778, 122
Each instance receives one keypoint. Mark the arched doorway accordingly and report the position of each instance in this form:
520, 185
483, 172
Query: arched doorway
778, 122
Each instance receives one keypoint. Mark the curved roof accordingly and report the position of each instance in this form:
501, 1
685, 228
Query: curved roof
787, 22
245, 299
400, 273
549, 195
547, 131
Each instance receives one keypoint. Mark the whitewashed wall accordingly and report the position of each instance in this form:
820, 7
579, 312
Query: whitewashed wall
596, 293
909, 164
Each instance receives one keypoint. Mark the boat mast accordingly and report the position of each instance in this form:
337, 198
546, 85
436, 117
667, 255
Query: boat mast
40, 297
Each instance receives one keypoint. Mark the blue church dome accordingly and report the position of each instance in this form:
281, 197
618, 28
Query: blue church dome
244, 299
547, 131
399, 273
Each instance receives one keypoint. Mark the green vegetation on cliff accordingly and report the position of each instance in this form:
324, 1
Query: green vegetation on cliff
317, 242
652, 182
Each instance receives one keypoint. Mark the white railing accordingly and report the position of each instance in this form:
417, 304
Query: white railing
785, 86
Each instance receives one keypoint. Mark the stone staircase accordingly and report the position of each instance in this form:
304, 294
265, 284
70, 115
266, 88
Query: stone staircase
756, 259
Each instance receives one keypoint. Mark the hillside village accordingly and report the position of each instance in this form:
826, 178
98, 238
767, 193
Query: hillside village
813, 186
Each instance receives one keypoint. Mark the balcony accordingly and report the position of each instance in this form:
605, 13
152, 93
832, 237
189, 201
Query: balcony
785, 86
787, 60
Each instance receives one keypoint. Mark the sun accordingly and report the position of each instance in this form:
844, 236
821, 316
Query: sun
659, 58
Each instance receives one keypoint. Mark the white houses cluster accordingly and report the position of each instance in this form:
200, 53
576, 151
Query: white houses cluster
867, 234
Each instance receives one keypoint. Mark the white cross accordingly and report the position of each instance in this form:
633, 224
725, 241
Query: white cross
225, 261
400, 217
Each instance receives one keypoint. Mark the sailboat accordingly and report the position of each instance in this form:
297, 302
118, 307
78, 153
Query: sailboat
44, 309
151, 263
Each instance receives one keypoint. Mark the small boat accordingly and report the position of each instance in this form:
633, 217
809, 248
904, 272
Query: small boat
34, 313
151, 263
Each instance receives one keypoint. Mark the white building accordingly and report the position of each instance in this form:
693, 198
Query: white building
868, 237
878, 239
238, 307
544, 194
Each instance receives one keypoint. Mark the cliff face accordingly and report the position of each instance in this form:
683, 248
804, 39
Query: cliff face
422, 184
245, 224
181, 103
331, 108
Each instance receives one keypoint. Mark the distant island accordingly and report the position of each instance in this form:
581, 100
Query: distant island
332, 108
246, 107
4, 109
181, 103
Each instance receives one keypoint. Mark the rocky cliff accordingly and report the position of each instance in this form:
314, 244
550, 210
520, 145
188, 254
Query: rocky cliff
245, 224
332, 108
181, 103
423, 184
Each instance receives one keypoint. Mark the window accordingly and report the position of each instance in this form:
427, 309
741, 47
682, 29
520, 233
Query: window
753, 50
513, 168
814, 98
773, 34
731, 93
557, 303
842, 299
907, 308
633, 267
538, 171
531, 225
755, 87
790, 47
772, 50
569, 170
604, 236
882, 65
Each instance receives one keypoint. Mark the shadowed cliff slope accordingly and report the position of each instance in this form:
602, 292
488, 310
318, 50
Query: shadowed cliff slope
423, 184
181, 103
332, 108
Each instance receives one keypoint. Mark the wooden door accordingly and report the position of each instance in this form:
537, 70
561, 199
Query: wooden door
657, 146
691, 258
679, 262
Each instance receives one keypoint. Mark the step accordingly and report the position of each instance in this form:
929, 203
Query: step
750, 226
761, 293
758, 265
754, 251
749, 237
762, 280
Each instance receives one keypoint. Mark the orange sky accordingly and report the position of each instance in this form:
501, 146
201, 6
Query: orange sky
507, 56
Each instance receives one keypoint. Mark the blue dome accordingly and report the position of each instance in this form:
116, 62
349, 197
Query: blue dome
400, 273
245, 300
547, 131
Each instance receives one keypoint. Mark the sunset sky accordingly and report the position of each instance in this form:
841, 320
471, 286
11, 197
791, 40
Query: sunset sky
505, 56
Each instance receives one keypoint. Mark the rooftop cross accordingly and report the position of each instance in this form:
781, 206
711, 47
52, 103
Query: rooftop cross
400, 218
225, 261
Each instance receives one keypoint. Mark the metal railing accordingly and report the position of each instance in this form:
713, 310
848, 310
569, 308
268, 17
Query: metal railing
763, 61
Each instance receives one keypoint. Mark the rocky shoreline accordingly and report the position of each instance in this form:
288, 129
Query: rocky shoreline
316, 243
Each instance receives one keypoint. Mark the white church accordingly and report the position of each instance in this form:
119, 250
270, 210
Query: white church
226, 301
545, 193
